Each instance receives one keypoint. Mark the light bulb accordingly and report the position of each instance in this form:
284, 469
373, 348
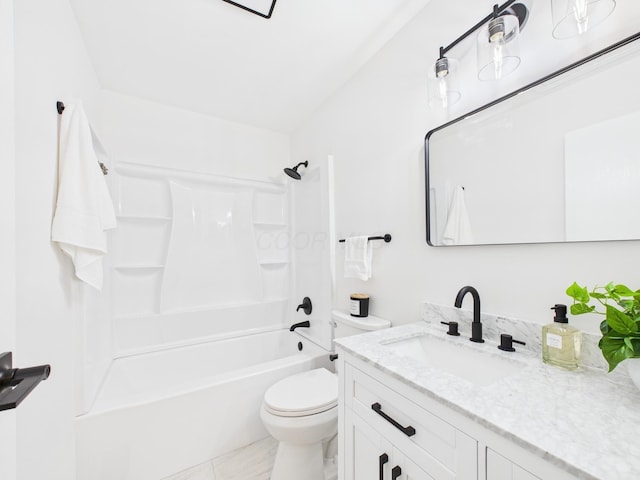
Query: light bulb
498, 59
442, 87
575, 17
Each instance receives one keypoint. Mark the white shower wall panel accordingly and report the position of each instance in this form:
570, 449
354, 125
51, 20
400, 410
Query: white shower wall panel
212, 251
143, 333
197, 257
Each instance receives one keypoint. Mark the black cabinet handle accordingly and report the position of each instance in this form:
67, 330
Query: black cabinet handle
384, 458
395, 472
408, 431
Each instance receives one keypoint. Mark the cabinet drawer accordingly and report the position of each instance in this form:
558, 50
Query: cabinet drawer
433, 444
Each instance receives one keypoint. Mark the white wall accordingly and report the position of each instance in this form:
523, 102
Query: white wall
150, 133
7, 233
375, 126
51, 65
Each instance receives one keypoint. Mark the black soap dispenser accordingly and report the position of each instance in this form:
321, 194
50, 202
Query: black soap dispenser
561, 341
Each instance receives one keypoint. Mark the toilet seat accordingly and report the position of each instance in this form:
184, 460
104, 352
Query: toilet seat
303, 394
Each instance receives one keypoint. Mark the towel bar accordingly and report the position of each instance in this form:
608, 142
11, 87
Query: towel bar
386, 238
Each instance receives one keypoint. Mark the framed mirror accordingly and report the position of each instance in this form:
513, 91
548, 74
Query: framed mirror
556, 161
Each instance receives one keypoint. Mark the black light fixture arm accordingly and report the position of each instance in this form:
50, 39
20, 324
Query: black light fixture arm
497, 10
248, 9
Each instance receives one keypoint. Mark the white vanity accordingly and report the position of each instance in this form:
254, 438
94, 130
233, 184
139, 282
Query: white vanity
482, 414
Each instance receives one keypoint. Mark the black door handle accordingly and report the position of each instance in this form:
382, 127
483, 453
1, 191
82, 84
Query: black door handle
17, 383
409, 431
384, 458
395, 472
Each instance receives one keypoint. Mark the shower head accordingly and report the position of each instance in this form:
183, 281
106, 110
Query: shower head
293, 172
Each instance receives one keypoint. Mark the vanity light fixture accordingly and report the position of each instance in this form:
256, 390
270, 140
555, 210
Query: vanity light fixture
496, 52
443, 83
497, 46
575, 17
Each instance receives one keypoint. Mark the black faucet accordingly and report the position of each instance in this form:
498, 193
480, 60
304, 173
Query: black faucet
476, 325
301, 324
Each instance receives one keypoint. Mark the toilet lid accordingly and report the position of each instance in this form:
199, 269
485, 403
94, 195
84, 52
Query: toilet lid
305, 393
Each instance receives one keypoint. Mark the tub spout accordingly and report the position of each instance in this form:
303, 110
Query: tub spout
306, 323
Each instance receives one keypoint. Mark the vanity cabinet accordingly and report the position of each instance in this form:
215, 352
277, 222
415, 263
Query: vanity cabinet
374, 457
391, 431
386, 436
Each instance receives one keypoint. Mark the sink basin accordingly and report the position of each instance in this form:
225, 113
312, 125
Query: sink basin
478, 367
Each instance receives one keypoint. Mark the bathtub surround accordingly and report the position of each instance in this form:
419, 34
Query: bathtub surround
152, 144
192, 243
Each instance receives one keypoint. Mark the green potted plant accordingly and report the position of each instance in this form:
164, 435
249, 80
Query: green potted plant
621, 325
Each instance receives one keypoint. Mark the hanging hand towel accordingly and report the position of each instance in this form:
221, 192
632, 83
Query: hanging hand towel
458, 229
84, 210
357, 258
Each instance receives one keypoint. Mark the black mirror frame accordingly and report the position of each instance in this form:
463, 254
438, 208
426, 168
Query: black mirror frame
544, 79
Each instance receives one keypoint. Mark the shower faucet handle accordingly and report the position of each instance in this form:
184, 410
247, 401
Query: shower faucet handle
305, 306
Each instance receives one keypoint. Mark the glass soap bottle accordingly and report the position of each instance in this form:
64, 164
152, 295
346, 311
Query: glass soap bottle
561, 341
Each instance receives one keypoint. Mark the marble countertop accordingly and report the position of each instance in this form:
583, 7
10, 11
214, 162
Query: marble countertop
585, 421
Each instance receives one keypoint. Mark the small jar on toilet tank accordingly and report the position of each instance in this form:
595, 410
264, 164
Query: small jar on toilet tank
359, 306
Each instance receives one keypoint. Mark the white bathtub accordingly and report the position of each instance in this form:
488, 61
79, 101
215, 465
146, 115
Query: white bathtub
162, 412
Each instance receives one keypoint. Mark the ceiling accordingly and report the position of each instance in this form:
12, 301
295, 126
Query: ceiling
212, 57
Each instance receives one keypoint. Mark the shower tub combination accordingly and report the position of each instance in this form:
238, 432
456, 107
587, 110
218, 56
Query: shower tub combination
162, 412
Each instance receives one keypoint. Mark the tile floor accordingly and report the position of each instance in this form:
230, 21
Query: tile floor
252, 462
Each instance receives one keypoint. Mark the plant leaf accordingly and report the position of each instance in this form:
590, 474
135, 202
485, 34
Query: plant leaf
614, 350
626, 304
578, 293
580, 308
628, 343
624, 291
620, 322
598, 295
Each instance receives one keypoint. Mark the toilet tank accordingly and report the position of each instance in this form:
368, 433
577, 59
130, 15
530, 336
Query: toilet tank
346, 325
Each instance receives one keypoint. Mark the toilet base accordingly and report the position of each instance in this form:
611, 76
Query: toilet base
294, 462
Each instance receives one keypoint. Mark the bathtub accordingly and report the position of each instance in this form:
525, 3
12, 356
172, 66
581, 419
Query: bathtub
162, 412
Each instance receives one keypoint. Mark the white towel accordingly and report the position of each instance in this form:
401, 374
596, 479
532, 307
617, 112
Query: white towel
84, 210
458, 229
357, 258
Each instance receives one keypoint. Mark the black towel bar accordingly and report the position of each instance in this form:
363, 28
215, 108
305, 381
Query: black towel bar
386, 237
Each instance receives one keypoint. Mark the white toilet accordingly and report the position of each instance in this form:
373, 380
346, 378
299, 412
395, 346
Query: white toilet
301, 411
